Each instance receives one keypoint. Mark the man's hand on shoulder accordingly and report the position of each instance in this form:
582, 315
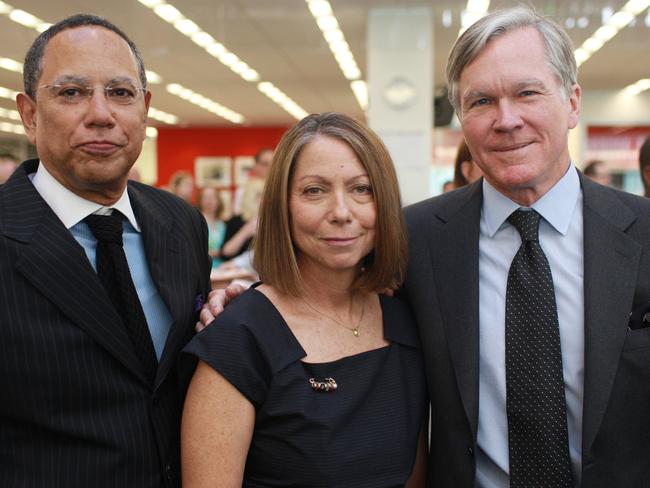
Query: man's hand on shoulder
217, 300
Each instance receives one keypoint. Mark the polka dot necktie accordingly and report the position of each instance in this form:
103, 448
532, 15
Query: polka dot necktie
537, 425
113, 271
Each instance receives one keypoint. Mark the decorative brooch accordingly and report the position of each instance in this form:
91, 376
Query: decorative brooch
327, 385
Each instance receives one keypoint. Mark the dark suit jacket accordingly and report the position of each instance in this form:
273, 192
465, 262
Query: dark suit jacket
76, 410
442, 288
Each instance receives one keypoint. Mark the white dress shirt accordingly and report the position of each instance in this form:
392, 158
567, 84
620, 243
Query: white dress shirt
561, 238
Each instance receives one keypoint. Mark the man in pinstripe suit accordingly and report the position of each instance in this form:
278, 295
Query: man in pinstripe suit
78, 408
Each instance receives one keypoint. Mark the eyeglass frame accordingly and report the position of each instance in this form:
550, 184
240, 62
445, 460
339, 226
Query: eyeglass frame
88, 91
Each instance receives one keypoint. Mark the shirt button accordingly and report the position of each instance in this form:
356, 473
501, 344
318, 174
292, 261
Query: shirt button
470, 450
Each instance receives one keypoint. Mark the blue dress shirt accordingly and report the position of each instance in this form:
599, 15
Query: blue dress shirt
561, 238
72, 209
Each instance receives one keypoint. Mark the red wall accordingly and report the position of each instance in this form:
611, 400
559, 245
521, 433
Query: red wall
177, 148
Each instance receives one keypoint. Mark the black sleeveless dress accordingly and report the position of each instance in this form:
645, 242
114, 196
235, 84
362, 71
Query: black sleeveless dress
362, 434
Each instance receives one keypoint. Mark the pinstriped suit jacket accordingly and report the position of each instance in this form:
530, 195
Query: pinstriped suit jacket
76, 410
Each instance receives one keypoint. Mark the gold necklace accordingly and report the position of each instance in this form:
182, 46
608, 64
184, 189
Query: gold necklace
354, 330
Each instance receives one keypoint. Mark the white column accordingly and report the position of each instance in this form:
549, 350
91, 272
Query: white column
400, 86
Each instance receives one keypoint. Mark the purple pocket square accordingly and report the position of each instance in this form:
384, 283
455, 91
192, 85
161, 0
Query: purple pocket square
198, 302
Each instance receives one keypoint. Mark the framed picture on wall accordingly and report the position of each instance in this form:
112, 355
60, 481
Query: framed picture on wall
213, 170
243, 166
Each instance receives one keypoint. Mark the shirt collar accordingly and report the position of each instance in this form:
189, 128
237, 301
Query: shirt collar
556, 206
71, 208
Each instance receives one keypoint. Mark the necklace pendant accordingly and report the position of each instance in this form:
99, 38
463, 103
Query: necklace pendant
327, 385
355, 332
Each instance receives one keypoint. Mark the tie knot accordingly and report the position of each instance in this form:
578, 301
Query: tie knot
527, 223
106, 228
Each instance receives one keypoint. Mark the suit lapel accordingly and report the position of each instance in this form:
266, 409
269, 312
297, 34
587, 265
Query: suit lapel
57, 266
611, 260
168, 256
455, 258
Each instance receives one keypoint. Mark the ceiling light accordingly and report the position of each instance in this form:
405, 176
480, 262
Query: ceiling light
581, 55
583, 22
174, 88
352, 74
162, 116
329, 26
319, 8
592, 44
340, 45
43, 26
229, 59
11, 65
193, 31
570, 23
635, 7
621, 19
24, 18
250, 75
167, 12
636, 88
333, 35
360, 90
203, 39
474, 10
9, 114
150, 3
327, 22
216, 49
153, 77
5, 8
8, 93
612, 24
205, 103
275, 94
186, 26
12, 128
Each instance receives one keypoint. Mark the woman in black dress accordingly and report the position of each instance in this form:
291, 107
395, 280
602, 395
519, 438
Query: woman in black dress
312, 378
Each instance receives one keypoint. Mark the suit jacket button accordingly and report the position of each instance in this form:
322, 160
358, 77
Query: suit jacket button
470, 450
168, 472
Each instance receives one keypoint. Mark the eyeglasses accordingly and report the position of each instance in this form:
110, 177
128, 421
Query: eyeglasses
122, 93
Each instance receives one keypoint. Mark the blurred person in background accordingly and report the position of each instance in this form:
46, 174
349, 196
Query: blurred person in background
251, 189
597, 170
465, 170
644, 166
312, 378
8, 164
181, 184
241, 228
212, 208
448, 186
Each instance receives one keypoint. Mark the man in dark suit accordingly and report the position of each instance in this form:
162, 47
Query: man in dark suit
581, 417
92, 386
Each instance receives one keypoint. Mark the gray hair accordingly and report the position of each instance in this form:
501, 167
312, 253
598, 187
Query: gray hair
34, 59
559, 48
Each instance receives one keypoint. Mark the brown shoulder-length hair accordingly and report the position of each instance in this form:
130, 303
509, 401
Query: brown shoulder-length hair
275, 255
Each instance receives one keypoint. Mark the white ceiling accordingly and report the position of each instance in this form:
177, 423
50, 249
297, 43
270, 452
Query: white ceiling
281, 41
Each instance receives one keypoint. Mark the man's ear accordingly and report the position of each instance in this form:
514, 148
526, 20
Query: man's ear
27, 109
